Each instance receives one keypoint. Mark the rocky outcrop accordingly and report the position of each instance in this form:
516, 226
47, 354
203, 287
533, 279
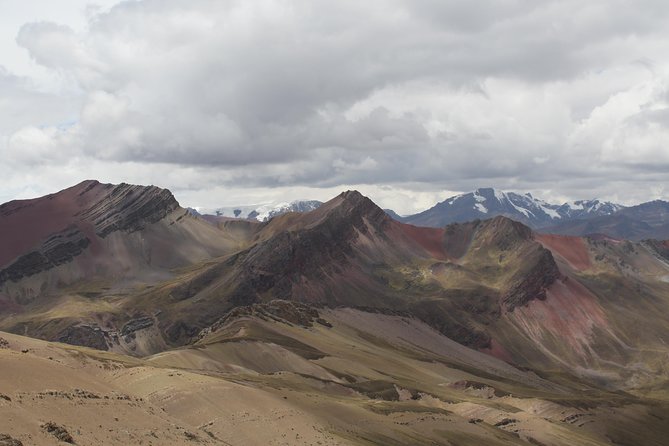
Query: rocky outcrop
8, 440
129, 208
282, 311
482, 389
134, 325
532, 282
658, 248
58, 431
56, 250
85, 336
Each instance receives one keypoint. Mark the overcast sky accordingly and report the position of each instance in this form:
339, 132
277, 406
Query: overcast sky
244, 102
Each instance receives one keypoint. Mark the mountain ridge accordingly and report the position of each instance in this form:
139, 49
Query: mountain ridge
591, 217
482, 283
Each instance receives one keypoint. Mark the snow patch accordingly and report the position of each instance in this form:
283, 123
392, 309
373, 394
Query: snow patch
550, 212
478, 197
455, 198
265, 211
479, 207
522, 210
500, 195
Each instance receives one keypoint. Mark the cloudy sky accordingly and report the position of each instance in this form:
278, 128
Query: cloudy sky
243, 102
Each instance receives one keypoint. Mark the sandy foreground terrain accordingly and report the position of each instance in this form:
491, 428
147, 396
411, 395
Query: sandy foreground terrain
103, 399
363, 389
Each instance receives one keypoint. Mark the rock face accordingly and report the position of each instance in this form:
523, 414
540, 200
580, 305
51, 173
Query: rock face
660, 248
129, 208
56, 250
58, 431
84, 335
134, 325
532, 282
283, 311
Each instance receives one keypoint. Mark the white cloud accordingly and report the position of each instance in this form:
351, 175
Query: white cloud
557, 97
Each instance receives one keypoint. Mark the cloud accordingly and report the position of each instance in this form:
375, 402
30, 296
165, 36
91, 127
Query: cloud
421, 95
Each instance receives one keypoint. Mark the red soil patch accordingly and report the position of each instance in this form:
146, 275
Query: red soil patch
430, 239
569, 313
572, 249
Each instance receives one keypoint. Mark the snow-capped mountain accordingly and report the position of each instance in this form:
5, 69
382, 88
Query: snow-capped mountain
588, 208
648, 220
263, 212
488, 202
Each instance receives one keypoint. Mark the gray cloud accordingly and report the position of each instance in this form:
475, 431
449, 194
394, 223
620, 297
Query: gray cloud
561, 97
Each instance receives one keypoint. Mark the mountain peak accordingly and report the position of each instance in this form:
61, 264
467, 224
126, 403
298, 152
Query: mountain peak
349, 208
505, 226
86, 183
352, 201
352, 195
486, 190
355, 199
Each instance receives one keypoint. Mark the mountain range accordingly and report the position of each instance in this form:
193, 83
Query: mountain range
488, 202
592, 217
582, 218
339, 325
262, 212
645, 221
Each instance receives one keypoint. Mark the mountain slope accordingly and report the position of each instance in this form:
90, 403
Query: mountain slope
44, 233
65, 249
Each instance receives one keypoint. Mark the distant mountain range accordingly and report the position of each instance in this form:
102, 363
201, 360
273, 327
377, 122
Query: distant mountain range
645, 221
581, 218
262, 212
488, 202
